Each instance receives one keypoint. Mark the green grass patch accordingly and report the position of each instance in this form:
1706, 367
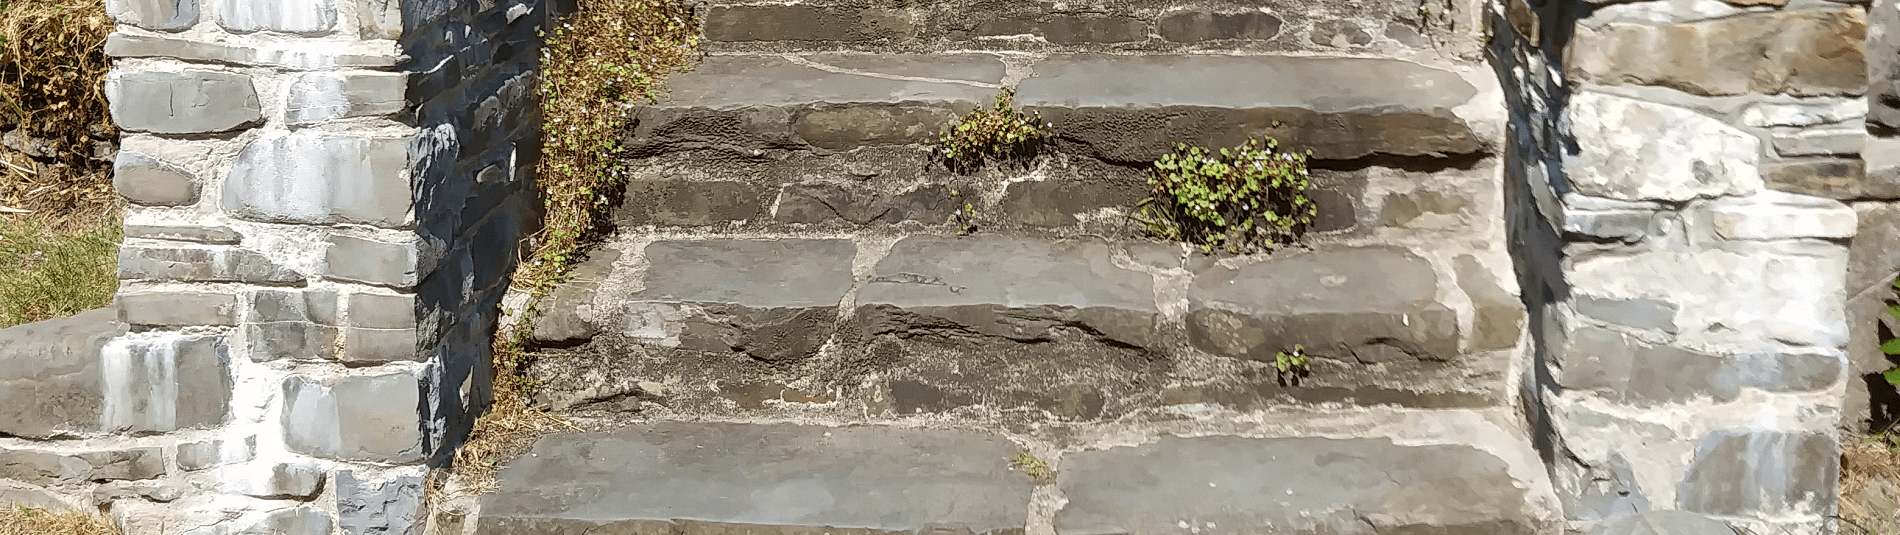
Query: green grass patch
47, 274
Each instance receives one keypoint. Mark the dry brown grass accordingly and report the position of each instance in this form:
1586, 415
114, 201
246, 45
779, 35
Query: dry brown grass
52, 70
28, 521
1870, 488
603, 60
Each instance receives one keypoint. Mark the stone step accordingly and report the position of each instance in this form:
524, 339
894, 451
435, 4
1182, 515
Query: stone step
1126, 109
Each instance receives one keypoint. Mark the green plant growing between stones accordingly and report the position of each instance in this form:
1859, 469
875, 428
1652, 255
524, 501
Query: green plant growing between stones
1238, 199
1035, 468
966, 214
988, 133
1292, 366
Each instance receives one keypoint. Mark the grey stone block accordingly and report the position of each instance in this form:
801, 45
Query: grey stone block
379, 19
215, 452
1841, 179
124, 45
143, 180
1756, 472
754, 273
1339, 34
1667, 523
1804, 53
312, 177
861, 205
164, 383
396, 265
1291, 485
177, 309
301, 17
1336, 303
1680, 156
160, 15
202, 264
318, 97
291, 324
125, 465
559, 318
382, 311
300, 481
691, 204
40, 467
804, 23
300, 520
871, 480
1639, 313
1066, 29
214, 235
1627, 370
1499, 316
49, 374
388, 507
364, 346
1194, 26
186, 102
1134, 108
1820, 142
1056, 203
374, 418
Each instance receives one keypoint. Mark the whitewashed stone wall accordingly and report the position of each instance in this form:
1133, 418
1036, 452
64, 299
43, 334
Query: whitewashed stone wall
303, 327
1685, 180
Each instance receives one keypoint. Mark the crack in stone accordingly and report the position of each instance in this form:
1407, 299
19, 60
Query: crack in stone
841, 70
913, 278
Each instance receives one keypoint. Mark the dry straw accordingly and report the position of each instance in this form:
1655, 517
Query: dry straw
17, 520
52, 67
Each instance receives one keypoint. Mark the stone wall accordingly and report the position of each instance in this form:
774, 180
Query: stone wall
326, 197
1685, 179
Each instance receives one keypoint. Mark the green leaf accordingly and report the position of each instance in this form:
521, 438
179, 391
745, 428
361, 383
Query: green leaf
1894, 310
1892, 376
1892, 347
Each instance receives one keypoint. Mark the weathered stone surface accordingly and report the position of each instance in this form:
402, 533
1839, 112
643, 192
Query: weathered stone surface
1339, 34
294, 55
215, 452
274, 480
177, 309
1667, 523
1627, 370
215, 235
164, 382
387, 507
1769, 292
318, 97
1803, 114
1874, 255
143, 180
373, 417
560, 320
1294, 485
1641, 313
1749, 472
805, 23
291, 324
1833, 178
1336, 303
1633, 150
311, 177
380, 19
34, 466
1781, 216
302, 17
161, 15
753, 273
869, 480
49, 374
185, 102
1847, 142
17, 494
1407, 209
1056, 203
1599, 219
692, 204
862, 205
1807, 52
1194, 26
202, 264
127, 465
1134, 108
397, 265
300, 520
1064, 29
1500, 316
382, 328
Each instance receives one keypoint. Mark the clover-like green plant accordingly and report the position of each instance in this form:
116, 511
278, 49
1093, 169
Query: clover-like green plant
1035, 468
1892, 347
987, 133
1239, 199
1292, 366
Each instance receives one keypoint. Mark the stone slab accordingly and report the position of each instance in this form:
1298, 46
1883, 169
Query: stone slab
752, 273
1750, 472
928, 271
295, 56
375, 417
1133, 108
304, 17
177, 309
1336, 303
164, 382
804, 23
754, 478
202, 264
1804, 52
312, 177
160, 15
1632, 150
1627, 370
49, 374
185, 102
1290, 485
1197, 25
147, 181
214, 235
318, 97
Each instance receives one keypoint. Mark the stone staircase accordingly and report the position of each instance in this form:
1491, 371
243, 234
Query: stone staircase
795, 330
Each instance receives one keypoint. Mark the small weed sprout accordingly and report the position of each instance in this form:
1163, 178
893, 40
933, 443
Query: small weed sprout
1035, 468
1239, 199
988, 133
966, 215
1292, 366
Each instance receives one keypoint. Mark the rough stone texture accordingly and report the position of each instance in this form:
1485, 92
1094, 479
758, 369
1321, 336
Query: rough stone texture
318, 97
185, 102
759, 274
1833, 178
274, 480
202, 264
397, 265
1339, 34
1500, 316
1065, 29
1624, 369
1804, 114
850, 480
1782, 472
160, 15
862, 205
1776, 216
216, 452
1807, 52
214, 235
125, 45
379, 19
1633, 150
1770, 297
1193, 26
1338, 303
177, 309
301, 520
560, 319
1056, 203
164, 383
1639, 313
359, 417
150, 182
49, 374
388, 507
681, 203
1820, 142
312, 177
302, 17
804, 23
1296, 485
1133, 108
382, 328
1667, 523
1873, 259
290, 324
42, 467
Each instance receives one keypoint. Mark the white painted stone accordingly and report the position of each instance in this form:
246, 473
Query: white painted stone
1738, 300
161, 15
303, 17
316, 178
1774, 215
317, 97
1633, 150
1768, 114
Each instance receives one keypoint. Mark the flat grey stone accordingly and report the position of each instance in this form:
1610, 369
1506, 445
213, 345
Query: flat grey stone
862, 205
17, 494
160, 15
1291, 485
1755, 472
1843, 179
300, 520
1067, 29
202, 264
300, 481
124, 465
752, 273
1820, 142
312, 177
165, 382
318, 97
296, 56
396, 265
185, 102
1679, 155
380, 19
1134, 108
559, 319
49, 373
924, 271
691, 204
1797, 52
214, 235
146, 181
1628, 370
1500, 316
291, 324
1639, 313
308, 17
1667, 523
848, 480
215, 452
41, 467
383, 311
372, 507
804, 23
372, 418
1329, 301
366, 346
177, 309
1194, 25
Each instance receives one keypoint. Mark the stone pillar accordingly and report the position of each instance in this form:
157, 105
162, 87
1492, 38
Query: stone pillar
1872, 403
1680, 185
327, 197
